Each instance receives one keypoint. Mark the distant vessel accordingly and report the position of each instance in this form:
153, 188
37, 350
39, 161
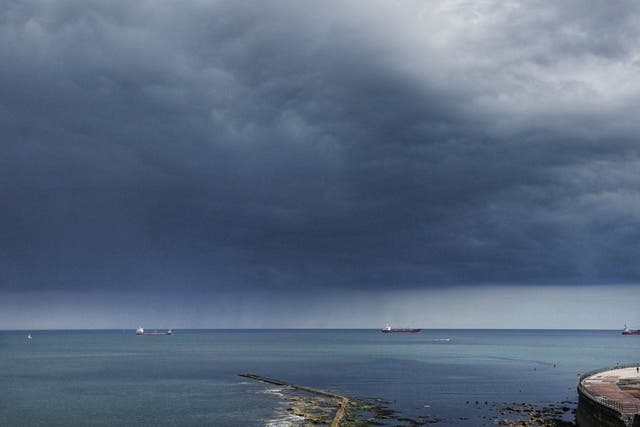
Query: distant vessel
627, 331
141, 331
29, 336
389, 330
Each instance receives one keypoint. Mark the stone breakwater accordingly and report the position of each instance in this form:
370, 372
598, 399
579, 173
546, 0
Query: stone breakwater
609, 397
314, 410
324, 408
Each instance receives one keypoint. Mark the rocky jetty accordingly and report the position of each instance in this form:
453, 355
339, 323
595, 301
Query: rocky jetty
324, 408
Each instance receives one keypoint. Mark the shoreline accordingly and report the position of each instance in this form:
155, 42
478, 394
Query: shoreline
508, 414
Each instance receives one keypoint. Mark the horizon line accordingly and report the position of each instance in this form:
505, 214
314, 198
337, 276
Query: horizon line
311, 329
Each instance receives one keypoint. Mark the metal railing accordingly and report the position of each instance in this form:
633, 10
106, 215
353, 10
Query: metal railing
622, 408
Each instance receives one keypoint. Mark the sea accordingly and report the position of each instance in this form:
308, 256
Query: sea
456, 377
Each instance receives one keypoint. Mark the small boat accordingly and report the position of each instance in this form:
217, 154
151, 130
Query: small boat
389, 330
29, 336
141, 331
627, 331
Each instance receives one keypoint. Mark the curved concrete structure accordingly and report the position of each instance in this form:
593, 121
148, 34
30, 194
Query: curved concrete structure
609, 397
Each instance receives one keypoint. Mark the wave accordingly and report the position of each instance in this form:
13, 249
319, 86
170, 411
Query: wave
278, 391
286, 420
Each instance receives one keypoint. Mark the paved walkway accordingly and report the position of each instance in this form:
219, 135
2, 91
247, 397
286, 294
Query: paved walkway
606, 386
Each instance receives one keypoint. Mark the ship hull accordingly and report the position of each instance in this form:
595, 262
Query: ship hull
153, 333
401, 331
631, 332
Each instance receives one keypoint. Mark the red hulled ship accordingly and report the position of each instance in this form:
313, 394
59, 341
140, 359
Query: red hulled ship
627, 331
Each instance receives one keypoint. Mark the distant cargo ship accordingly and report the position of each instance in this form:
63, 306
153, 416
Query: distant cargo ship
389, 330
141, 331
627, 331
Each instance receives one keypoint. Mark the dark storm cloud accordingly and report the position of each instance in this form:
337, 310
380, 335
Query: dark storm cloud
291, 144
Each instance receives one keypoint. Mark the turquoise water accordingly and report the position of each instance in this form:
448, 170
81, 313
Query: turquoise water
79, 378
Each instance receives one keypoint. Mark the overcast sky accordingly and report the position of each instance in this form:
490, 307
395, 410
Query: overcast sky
224, 163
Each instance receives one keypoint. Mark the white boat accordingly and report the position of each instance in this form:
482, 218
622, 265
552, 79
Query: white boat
29, 336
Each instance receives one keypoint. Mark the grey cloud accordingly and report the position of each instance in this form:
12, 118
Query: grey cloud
302, 144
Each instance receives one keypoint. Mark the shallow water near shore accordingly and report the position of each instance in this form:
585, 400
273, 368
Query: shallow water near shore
78, 378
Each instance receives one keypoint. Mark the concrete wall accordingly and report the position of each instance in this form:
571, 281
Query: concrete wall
593, 414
